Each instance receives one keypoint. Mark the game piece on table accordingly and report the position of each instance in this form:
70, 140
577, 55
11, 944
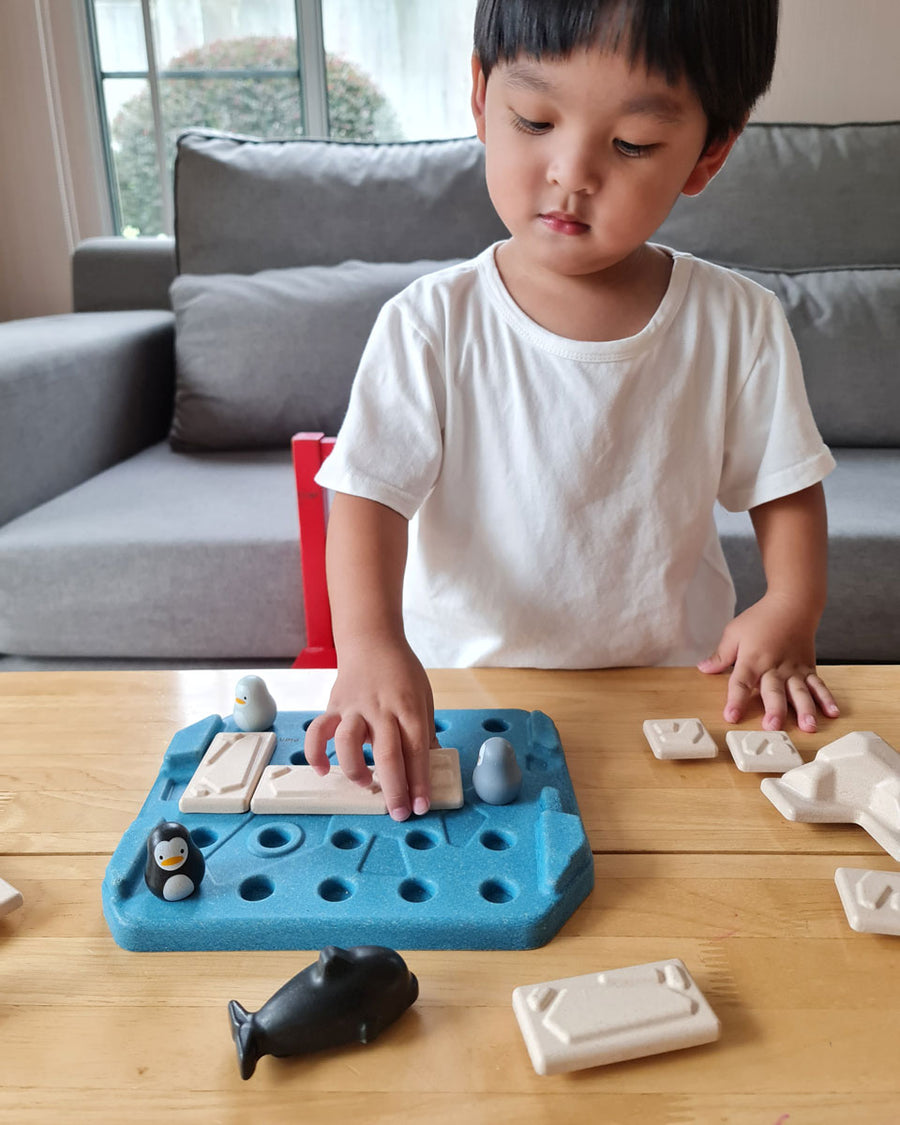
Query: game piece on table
871, 899
853, 780
347, 996
602, 1018
299, 789
175, 865
497, 777
10, 898
227, 777
762, 751
254, 707
679, 738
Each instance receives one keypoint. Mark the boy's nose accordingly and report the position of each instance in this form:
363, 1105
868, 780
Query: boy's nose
575, 170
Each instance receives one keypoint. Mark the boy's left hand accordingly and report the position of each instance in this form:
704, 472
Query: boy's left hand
771, 647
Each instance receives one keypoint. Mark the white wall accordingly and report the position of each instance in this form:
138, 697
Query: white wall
837, 62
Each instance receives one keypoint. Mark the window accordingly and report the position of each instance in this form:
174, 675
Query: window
370, 70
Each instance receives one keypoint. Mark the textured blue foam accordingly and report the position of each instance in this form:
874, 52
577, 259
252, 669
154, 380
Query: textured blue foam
479, 877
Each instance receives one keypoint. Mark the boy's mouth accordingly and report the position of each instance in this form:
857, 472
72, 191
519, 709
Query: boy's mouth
561, 222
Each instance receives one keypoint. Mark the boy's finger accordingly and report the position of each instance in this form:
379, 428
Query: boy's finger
348, 743
822, 695
315, 743
418, 739
772, 690
741, 685
387, 751
720, 661
802, 702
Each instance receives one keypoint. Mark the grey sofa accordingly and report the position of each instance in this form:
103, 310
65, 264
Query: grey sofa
147, 507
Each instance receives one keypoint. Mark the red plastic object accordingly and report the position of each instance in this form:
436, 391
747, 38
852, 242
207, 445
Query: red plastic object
309, 451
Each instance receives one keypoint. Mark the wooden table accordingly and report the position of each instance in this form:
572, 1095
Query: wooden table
691, 862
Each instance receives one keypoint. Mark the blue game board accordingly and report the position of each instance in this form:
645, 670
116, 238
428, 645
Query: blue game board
478, 877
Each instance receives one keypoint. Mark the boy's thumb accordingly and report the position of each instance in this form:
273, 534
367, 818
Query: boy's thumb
719, 662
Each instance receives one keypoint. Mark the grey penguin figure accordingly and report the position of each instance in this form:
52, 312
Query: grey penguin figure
497, 776
175, 865
347, 996
254, 707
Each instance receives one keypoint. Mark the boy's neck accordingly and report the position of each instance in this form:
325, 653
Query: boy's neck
610, 305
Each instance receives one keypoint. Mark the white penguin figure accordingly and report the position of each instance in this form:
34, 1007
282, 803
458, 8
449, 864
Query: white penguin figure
254, 707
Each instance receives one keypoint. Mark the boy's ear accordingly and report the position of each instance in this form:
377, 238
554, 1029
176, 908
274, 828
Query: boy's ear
479, 88
711, 160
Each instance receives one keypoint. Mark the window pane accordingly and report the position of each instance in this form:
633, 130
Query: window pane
120, 35
218, 33
134, 155
387, 80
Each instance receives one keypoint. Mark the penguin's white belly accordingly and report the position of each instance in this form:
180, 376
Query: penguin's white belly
177, 887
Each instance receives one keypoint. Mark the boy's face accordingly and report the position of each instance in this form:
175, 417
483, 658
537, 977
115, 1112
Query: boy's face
585, 156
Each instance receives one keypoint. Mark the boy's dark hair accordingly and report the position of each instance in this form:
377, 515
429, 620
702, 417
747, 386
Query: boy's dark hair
724, 48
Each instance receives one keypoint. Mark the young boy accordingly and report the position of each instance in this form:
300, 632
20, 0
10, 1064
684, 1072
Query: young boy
560, 414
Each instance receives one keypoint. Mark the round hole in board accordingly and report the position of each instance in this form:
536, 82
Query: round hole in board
496, 891
275, 840
496, 841
204, 837
256, 888
440, 726
298, 758
495, 726
420, 841
347, 840
335, 890
416, 890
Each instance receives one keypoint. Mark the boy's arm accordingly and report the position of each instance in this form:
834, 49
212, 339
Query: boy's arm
772, 644
381, 695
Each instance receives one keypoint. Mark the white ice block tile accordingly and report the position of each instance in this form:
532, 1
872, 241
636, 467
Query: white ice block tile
853, 780
871, 899
299, 789
228, 774
679, 738
601, 1018
762, 751
10, 898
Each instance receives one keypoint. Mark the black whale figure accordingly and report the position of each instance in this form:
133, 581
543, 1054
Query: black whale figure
348, 995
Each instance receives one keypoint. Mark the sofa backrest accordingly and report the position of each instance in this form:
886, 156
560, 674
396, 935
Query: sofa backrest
811, 211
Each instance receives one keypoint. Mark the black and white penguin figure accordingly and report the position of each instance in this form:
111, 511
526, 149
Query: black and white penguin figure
175, 865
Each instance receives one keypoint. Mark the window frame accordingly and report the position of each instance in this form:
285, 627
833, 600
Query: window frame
310, 73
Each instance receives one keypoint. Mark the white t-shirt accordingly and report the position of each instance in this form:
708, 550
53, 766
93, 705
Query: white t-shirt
563, 491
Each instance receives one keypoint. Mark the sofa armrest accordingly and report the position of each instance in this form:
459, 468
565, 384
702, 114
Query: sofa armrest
79, 393
111, 274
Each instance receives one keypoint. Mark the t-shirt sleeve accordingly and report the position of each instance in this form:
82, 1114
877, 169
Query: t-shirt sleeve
389, 446
772, 445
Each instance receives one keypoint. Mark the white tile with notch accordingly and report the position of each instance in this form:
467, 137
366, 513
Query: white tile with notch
10, 898
228, 773
871, 899
299, 789
679, 738
600, 1018
762, 751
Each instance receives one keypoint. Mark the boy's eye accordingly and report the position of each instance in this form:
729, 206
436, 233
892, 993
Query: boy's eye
526, 126
628, 149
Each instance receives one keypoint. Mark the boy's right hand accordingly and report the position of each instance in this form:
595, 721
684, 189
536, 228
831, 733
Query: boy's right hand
381, 696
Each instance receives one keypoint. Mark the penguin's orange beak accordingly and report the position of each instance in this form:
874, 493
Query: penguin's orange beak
171, 861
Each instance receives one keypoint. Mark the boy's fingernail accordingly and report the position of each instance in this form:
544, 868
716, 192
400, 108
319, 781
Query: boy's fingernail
401, 813
421, 805
732, 715
809, 723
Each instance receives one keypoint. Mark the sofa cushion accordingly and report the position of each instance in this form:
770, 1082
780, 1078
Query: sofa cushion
166, 555
862, 618
847, 327
798, 197
261, 356
244, 205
